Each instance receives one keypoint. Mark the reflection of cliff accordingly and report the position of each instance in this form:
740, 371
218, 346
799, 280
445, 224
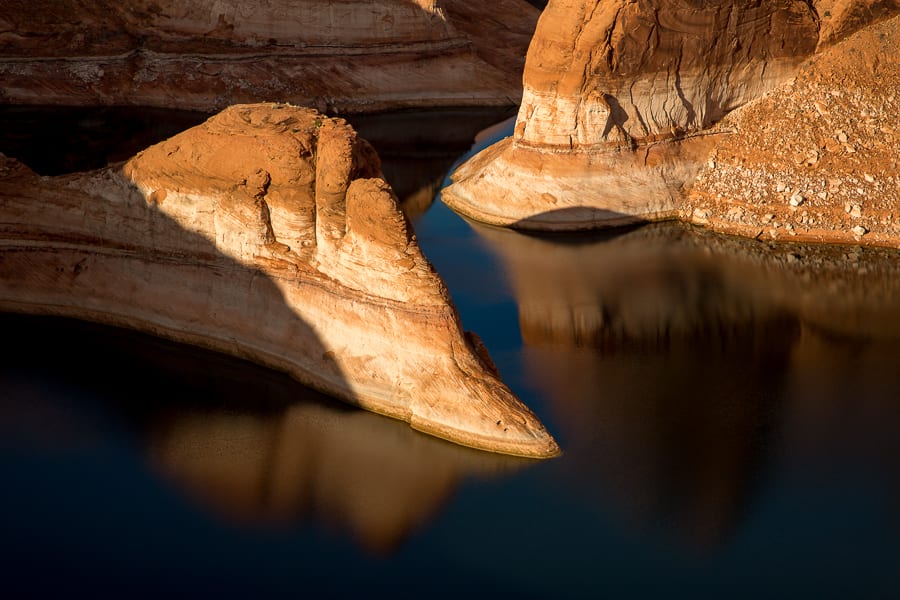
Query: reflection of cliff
603, 83
248, 444
679, 362
336, 55
666, 282
310, 461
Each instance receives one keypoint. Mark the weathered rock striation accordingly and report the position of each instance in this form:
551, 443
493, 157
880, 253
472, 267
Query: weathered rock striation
605, 82
622, 103
337, 55
265, 233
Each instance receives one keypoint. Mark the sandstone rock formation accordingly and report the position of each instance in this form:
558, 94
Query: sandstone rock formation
340, 55
623, 101
604, 78
817, 159
265, 233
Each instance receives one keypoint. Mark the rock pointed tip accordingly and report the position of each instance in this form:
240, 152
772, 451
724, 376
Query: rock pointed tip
517, 434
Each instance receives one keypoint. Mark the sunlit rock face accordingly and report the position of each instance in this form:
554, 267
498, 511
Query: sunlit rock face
815, 160
267, 233
603, 78
840, 18
623, 104
629, 72
342, 55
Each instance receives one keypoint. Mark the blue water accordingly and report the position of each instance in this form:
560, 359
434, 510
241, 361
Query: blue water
720, 440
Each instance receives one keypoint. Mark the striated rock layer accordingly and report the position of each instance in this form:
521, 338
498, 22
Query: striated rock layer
623, 101
604, 83
265, 233
342, 55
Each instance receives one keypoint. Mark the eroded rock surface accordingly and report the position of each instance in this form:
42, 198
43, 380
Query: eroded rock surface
342, 55
266, 233
623, 102
817, 159
604, 78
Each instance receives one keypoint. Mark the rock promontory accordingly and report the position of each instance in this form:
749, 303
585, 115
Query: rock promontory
336, 55
624, 105
266, 233
608, 87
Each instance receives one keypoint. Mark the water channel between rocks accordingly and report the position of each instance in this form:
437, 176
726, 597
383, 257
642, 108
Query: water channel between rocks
729, 412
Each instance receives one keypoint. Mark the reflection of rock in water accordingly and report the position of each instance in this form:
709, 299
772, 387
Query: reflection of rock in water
673, 357
676, 439
249, 444
663, 282
312, 460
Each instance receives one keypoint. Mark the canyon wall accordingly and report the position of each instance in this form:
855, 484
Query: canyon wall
266, 233
338, 55
622, 104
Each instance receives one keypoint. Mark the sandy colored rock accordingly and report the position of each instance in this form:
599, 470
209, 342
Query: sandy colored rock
337, 55
840, 18
604, 84
224, 237
623, 102
815, 160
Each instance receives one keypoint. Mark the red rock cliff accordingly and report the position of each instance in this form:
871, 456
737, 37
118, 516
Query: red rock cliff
345, 55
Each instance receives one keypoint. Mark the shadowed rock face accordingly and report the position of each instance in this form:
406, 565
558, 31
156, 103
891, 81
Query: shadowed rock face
340, 55
265, 233
622, 101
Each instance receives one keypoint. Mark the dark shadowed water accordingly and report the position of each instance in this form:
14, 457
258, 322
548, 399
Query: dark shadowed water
729, 412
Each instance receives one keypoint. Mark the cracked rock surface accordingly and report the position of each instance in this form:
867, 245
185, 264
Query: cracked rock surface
623, 110
604, 84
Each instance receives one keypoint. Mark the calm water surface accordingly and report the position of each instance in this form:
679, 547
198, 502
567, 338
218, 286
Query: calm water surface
729, 412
